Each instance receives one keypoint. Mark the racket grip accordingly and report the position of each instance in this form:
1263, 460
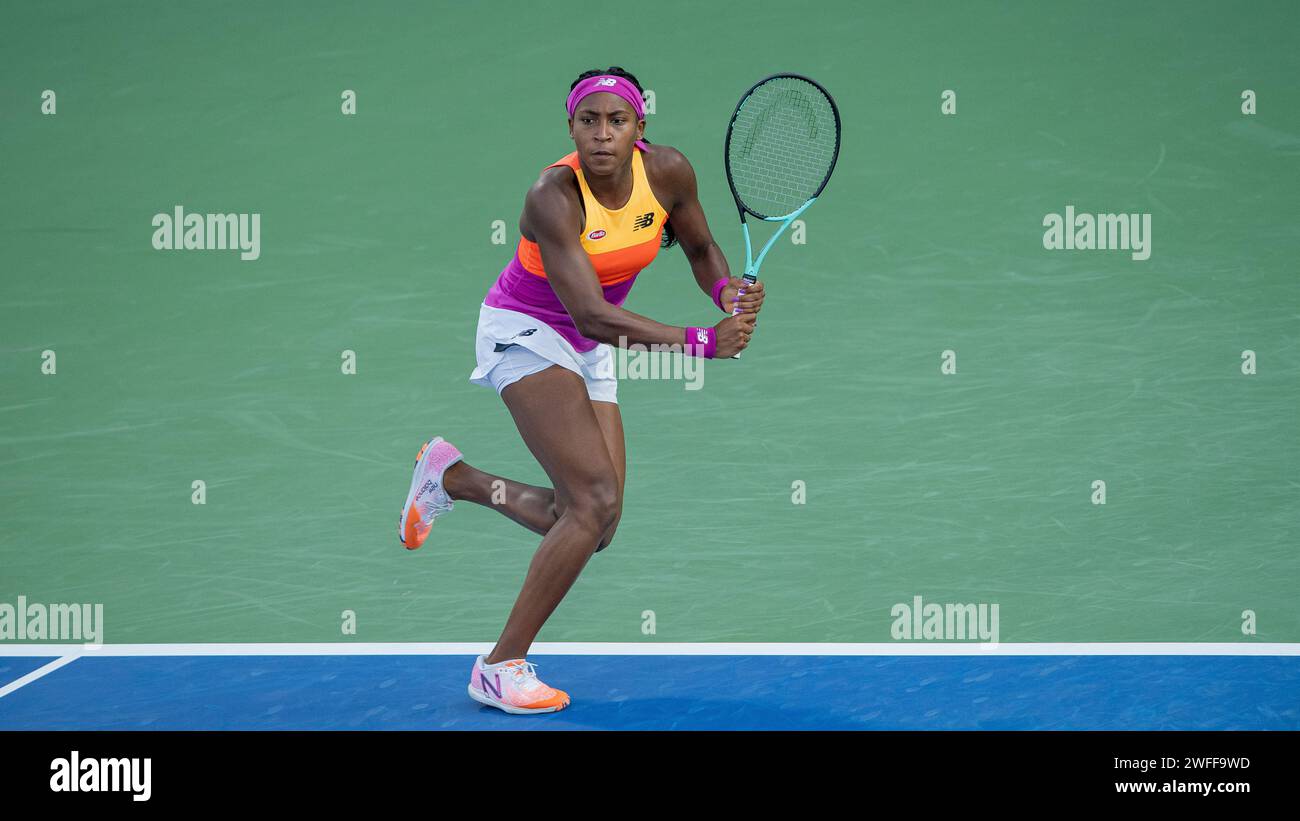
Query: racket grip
735, 311
750, 279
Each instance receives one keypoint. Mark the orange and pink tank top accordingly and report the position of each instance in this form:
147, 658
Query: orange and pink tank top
619, 244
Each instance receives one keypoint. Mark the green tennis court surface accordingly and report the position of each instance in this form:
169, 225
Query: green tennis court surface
376, 238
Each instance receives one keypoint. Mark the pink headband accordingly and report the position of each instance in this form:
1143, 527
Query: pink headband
610, 84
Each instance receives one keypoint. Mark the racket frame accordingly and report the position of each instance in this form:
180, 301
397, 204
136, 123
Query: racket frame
752, 265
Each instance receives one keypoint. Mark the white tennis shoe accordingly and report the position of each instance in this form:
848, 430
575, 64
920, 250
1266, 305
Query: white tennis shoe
427, 499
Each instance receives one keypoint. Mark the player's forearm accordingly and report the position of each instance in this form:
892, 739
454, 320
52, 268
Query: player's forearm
708, 265
616, 326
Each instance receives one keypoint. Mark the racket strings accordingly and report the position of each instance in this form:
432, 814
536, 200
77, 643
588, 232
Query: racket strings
783, 142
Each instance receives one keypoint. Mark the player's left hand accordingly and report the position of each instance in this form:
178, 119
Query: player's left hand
739, 292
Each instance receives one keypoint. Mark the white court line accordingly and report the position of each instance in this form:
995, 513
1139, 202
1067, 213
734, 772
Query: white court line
39, 672
935, 648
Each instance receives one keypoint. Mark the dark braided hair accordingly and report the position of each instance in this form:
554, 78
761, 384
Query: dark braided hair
669, 238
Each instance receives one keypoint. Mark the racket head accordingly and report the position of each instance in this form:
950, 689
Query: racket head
782, 144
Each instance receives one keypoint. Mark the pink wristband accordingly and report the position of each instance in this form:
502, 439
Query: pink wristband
717, 291
701, 342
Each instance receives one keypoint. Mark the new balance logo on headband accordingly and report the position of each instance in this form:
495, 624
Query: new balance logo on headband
607, 81
644, 220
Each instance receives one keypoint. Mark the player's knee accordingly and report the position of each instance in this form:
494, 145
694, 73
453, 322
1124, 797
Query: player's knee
597, 503
609, 534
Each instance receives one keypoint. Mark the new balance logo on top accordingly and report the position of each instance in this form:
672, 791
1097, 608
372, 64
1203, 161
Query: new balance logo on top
644, 220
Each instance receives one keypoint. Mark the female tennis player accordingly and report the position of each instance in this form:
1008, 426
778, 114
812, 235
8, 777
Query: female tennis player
590, 223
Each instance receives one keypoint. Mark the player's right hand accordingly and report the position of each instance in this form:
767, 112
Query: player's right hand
733, 334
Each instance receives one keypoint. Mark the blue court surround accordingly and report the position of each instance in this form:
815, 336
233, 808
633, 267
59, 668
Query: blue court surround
664, 693
14, 668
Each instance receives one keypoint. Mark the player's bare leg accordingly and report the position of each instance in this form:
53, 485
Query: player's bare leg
532, 506
558, 422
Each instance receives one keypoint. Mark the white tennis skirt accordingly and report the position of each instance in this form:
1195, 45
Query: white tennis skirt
510, 345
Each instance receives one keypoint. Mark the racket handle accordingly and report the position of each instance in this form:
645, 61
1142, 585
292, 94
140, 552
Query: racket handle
749, 279
736, 355
735, 311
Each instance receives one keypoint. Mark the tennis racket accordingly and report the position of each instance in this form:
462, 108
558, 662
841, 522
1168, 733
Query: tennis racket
782, 143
